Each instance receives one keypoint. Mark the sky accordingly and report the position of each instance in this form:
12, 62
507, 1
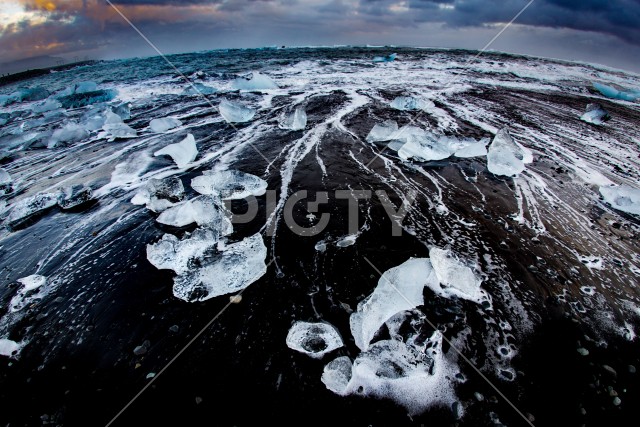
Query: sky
599, 31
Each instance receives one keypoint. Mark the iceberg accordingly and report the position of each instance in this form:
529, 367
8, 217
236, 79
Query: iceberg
234, 112
384, 131
6, 182
229, 185
199, 89
206, 211
296, 120
164, 124
182, 153
388, 58
116, 128
71, 132
313, 339
28, 207
337, 374
254, 81
595, 114
48, 105
400, 288
611, 92
622, 197
78, 100
455, 279
74, 196
408, 103
504, 156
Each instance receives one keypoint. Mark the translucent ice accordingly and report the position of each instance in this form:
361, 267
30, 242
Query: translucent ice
456, 279
384, 131
611, 92
622, 197
48, 105
388, 58
30, 206
183, 152
123, 110
164, 124
199, 88
160, 194
74, 196
254, 81
170, 253
313, 339
504, 156
203, 210
87, 98
80, 87
70, 132
234, 112
116, 128
230, 184
400, 288
595, 114
471, 148
337, 374
425, 146
296, 120
408, 103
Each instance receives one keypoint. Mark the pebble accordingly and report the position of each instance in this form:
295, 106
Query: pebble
632, 369
478, 396
140, 350
175, 329
617, 401
198, 400
151, 375
583, 351
235, 299
610, 370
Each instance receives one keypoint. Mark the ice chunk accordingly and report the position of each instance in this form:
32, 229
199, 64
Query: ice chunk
231, 269
337, 374
425, 146
31, 94
234, 112
254, 81
123, 110
313, 339
29, 207
7, 100
183, 152
48, 105
456, 279
6, 182
611, 92
74, 196
409, 103
229, 185
70, 132
472, 148
77, 100
297, 120
9, 348
84, 87
384, 131
622, 197
170, 253
348, 240
160, 194
199, 88
595, 114
388, 58
400, 288
164, 124
93, 119
115, 127
203, 210
504, 156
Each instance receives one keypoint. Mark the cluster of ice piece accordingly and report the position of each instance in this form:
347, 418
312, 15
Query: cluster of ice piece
203, 210
229, 184
611, 92
313, 339
235, 112
505, 157
595, 114
30, 206
622, 197
182, 153
295, 120
164, 124
409, 103
254, 81
388, 58
116, 128
160, 194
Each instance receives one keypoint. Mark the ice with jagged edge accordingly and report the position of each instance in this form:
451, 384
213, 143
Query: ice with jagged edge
183, 152
622, 197
505, 157
254, 81
385, 131
30, 206
80, 87
235, 112
160, 194
206, 211
229, 184
337, 374
231, 268
171, 253
425, 146
6, 182
313, 339
595, 114
116, 128
83, 99
164, 124
296, 120
455, 278
70, 132
400, 288
409, 103
469, 147
73, 196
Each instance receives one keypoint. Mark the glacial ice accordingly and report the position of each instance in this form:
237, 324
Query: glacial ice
229, 185
160, 194
87, 98
384, 131
183, 152
231, 269
6, 182
456, 279
296, 120
30, 206
164, 124
425, 147
313, 339
472, 148
31, 94
409, 103
74, 196
48, 105
8, 347
504, 156
80, 87
234, 112
611, 92
400, 288
206, 211
595, 114
123, 110
254, 81
170, 253
388, 58
622, 197
93, 119
337, 374
70, 132
116, 128
199, 89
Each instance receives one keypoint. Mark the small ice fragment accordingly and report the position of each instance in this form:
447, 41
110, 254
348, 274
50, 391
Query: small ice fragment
29, 207
160, 194
183, 152
337, 374
504, 156
234, 112
296, 120
204, 210
347, 241
115, 127
170, 253
84, 87
254, 81
164, 124
48, 105
384, 131
456, 279
409, 103
198, 89
595, 114
74, 196
229, 185
622, 197
313, 339
321, 246
8, 347
388, 58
